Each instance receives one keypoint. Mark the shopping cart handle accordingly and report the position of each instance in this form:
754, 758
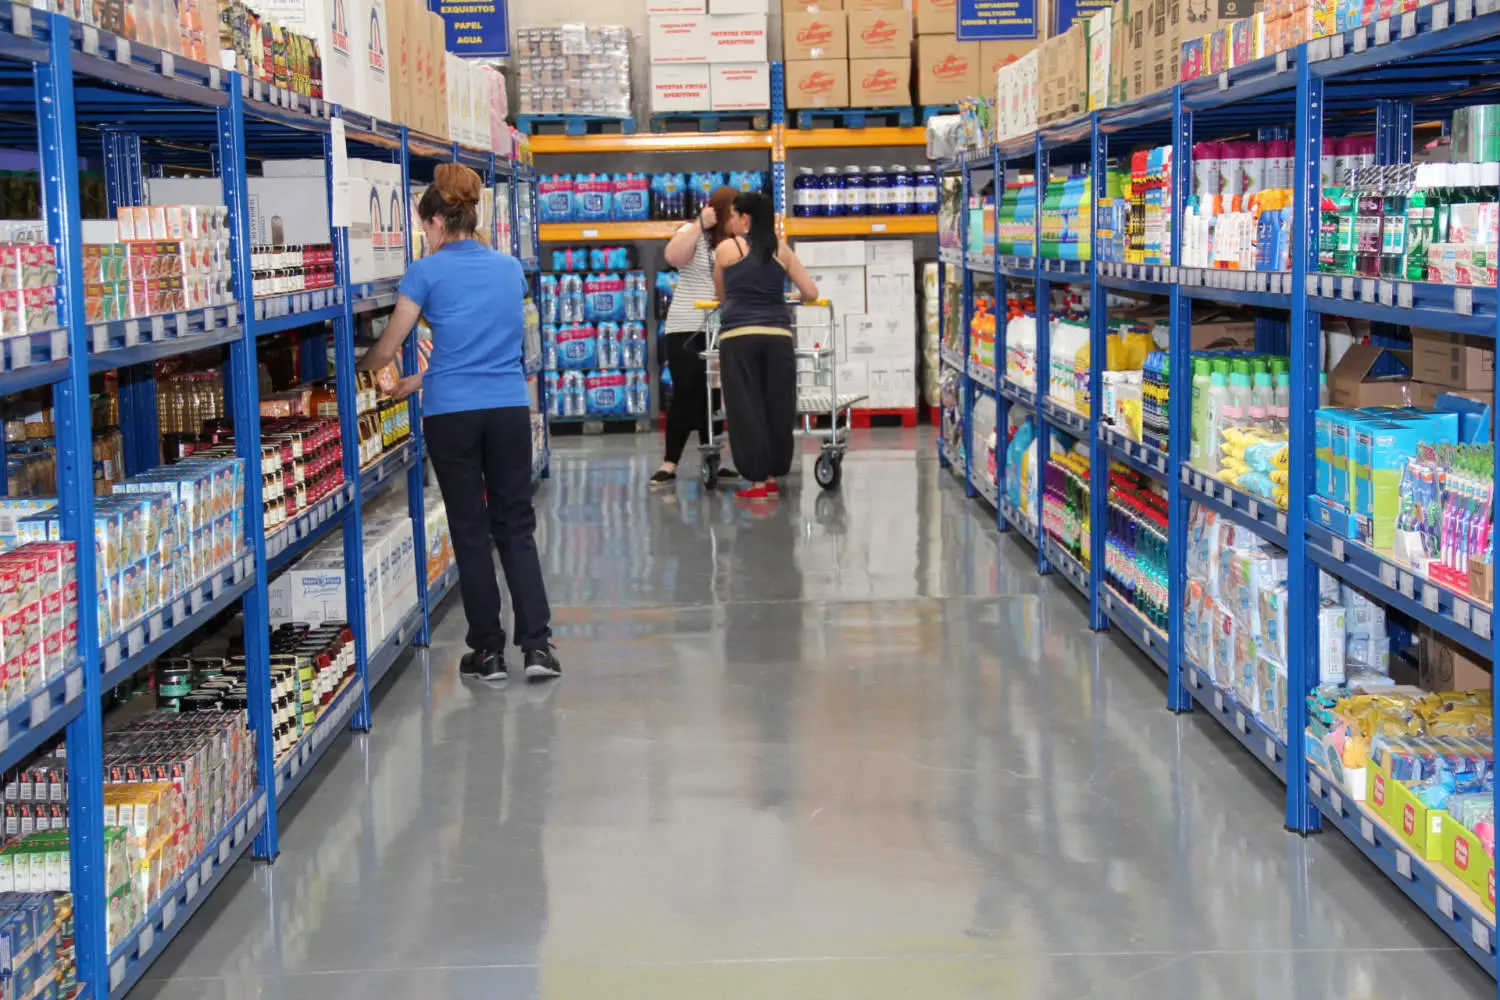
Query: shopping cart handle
814, 302
706, 304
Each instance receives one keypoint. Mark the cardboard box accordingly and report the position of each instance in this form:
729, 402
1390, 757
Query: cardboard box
815, 36
817, 83
737, 38
1421, 828
947, 70
880, 34
879, 83
681, 87
935, 17
677, 38
1099, 31
436, 38
1463, 854
1451, 359
676, 7
739, 7
1351, 384
740, 86
844, 287
374, 81
810, 6
885, 5
1447, 666
399, 12
832, 253
993, 56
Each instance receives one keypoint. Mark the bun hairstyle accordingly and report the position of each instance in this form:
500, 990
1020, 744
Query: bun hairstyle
453, 196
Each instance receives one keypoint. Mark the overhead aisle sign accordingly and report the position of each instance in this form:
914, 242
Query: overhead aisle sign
475, 28
1071, 11
996, 20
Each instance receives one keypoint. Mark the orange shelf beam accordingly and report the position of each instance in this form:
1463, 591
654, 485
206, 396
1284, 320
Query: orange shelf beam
853, 138
574, 232
651, 142
870, 225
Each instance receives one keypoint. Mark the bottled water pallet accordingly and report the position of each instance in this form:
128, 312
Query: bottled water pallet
931, 111
712, 121
575, 125
857, 118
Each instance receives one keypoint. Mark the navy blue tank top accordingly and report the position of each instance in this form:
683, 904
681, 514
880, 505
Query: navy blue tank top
754, 294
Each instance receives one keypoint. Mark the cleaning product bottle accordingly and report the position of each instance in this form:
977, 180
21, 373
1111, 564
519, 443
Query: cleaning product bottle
1218, 400
1368, 223
1343, 253
1393, 221
1199, 428
1418, 224
1262, 395
1237, 414
1281, 406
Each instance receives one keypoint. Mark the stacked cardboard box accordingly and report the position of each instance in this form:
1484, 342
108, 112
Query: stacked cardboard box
571, 69
855, 55
947, 70
1062, 75
315, 588
873, 288
709, 55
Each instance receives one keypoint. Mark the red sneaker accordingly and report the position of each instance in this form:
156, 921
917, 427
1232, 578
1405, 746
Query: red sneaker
772, 489
756, 493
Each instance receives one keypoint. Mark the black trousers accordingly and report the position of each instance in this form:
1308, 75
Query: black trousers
483, 463
688, 410
759, 374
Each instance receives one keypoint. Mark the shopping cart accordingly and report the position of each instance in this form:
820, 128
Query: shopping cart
817, 391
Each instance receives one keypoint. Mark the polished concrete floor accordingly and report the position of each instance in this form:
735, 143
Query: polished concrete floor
850, 748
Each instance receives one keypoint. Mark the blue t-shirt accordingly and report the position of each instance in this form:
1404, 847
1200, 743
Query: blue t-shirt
473, 298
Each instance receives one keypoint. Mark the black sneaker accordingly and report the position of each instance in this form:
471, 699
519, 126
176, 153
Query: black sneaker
663, 478
542, 665
727, 474
484, 665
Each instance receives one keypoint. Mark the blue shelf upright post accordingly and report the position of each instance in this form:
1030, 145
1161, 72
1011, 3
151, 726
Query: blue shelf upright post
1043, 298
1302, 574
243, 386
1002, 403
409, 364
75, 477
966, 319
348, 402
1179, 433
139, 428
1098, 352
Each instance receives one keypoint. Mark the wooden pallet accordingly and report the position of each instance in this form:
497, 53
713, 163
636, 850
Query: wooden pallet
931, 111
711, 121
575, 125
857, 117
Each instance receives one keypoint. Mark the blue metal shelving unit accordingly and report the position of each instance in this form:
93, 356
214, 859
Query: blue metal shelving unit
139, 109
1363, 80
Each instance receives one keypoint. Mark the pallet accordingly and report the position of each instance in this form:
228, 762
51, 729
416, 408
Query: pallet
711, 121
857, 118
907, 417
600, 425
931, 414
931, 111
575, 125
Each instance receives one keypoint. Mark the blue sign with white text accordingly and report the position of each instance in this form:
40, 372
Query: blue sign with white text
475, 28
996, 20
1071, 11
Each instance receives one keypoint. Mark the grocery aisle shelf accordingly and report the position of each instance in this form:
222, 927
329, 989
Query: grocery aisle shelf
392, 646
1226, 709
983, 375
1071, 569
372, 295
982, 264
952, 358
987, 490
567, 232
1260, 516
867, 225
651, 142
1071, 271
294, 768
951, 256
1024, 528
1150, 279
440, 588
277, 315
151, 338
1017, 267
167, 916
1456, 908
1141, 457
1246, 288
30, 361
1065, 418
1454, 308
1123, 615
306, 529
1017, 394
154, 633
853, 138
954, 460
379, 474
1460, 617
40, 716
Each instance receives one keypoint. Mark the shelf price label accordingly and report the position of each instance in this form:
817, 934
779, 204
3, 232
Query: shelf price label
1403, 864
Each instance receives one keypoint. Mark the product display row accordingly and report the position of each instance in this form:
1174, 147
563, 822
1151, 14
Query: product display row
636, 197
1274, 413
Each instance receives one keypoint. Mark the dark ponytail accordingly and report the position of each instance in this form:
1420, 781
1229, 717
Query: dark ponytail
452, 196
762, 235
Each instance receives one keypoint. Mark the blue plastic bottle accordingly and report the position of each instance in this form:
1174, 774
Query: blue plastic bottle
805, 193
878, 192
854, 197
833, 192
903, 191
926, 188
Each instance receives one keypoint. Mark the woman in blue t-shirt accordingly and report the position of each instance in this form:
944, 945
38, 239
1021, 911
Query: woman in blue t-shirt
476, 419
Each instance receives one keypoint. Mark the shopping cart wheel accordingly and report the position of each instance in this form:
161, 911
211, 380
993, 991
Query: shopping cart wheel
708, 471
827, 470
